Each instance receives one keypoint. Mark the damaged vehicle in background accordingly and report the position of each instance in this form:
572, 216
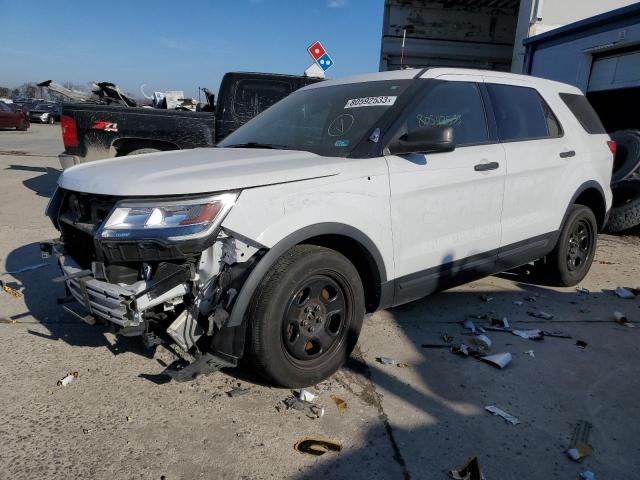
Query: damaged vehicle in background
111, 124
273, 246
45, 113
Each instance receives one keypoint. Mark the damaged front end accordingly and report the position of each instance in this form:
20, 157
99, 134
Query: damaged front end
161, 268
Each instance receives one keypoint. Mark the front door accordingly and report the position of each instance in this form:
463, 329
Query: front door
446, 207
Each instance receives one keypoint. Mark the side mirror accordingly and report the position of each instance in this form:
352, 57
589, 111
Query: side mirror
424, 140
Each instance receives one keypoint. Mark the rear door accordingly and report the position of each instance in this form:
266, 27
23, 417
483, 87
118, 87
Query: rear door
446, 206
5, 116
539, 156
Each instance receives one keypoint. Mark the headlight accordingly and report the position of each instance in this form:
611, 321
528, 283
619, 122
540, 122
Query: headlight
177, 220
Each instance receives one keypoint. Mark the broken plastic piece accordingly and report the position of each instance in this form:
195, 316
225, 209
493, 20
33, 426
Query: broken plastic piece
401, 365
503, 323
340, 403
470, 471
315, 411
469, 325
499, 360
316, 446
581, 344
588, 475
518, 303
625, 293
530, 353
461, 349
482, 341
540, 314
237, 391
447, 338
582, 290
386, 360
305, 395
501, 413
621, 319
486, 298
206, 363
63, 382
528, 334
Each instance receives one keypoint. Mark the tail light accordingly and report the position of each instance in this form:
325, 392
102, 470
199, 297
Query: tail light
613, 146
69, 131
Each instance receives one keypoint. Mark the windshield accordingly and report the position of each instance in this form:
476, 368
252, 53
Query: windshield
328, 121
43, 106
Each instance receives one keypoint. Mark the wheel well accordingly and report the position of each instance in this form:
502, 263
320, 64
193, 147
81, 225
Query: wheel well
361, 259
124, 146
592, 198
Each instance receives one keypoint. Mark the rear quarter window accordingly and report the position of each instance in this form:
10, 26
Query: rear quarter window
584, 112
522, 114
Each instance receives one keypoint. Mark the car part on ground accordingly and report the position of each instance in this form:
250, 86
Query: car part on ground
625, 212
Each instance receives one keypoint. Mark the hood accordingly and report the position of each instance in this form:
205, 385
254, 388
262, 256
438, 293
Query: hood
201, 170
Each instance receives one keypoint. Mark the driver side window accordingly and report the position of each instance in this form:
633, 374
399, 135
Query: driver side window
453, 104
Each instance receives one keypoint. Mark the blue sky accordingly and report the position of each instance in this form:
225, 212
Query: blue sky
180, 45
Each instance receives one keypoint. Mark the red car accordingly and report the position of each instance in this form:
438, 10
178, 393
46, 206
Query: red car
13, 119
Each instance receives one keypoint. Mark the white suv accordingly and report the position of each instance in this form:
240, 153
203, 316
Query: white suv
348, 196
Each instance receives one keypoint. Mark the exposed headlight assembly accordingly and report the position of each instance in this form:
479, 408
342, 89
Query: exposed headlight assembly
167, 220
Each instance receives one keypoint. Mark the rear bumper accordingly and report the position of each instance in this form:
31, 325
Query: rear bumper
67, 161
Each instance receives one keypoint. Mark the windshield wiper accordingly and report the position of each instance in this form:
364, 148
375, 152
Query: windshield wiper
259, 145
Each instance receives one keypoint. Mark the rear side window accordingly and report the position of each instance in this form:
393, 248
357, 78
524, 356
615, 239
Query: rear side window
522, 114
454, 104
584, 112
254, 96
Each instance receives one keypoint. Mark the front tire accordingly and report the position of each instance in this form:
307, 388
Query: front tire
305, 316
51, 120
571, 259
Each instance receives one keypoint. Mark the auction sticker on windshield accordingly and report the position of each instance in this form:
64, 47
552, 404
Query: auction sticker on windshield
381, 101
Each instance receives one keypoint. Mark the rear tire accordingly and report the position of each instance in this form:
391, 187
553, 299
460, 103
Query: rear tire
305, 316
571, 259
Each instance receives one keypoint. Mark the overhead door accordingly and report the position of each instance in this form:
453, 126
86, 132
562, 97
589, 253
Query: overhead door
615, 71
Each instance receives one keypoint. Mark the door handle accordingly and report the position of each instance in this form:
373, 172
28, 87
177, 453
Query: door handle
570, 153
483, 167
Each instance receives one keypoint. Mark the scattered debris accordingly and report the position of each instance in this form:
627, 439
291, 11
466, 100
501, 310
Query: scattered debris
579, 446
401, 365
469, 325
470, 471
340, 403
315, 411
461, 349
386, 360
8, 320
305, 395
504, 323
582, 290
625, 293
540, 314
316, 446
529, 334
499, 360
581, 344
501, 413
531, 299
482, 341
447, 338
530, 353
555, 334
26, 269
486, 298
621, 319
11, 291
237, 391
588, 475
129, 419
67, 379
86, 431
518, 303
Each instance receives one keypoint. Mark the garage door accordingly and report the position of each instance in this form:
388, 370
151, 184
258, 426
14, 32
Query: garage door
615, 71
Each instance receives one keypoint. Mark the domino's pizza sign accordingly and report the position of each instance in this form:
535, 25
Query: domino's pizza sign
320, 55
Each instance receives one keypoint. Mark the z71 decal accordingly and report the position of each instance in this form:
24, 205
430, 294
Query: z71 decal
106, 126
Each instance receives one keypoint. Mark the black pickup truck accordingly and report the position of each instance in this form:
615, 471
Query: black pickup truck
93, 131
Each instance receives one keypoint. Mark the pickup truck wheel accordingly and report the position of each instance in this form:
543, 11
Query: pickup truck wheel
572, 256
140, 151
625, 212
305, 316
